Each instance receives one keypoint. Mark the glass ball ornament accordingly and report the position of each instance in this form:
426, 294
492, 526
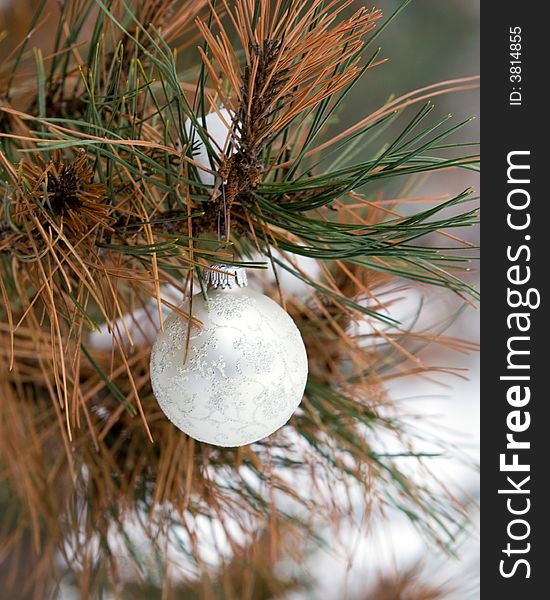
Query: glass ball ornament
242, 373
218, 127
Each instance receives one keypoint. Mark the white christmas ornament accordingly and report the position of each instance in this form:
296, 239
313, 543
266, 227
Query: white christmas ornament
246, 365
218, 127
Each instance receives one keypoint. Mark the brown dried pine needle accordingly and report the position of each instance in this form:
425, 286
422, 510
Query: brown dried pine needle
292, 60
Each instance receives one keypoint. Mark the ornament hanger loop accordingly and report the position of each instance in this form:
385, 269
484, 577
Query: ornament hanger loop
223, 235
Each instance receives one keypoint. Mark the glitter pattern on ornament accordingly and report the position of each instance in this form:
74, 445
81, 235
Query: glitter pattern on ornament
246, 366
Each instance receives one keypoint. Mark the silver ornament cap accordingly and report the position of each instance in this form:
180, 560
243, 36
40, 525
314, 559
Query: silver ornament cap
246, 365
224, 276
